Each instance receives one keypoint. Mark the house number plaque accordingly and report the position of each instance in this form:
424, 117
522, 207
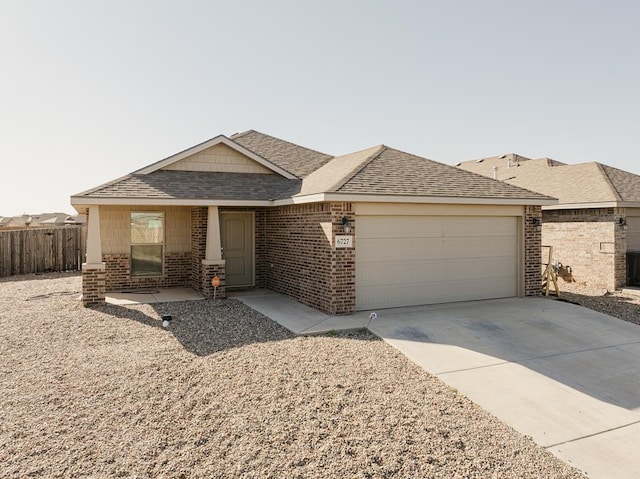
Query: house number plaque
344, 241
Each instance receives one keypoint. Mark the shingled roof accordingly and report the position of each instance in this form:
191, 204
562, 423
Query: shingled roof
582, 183
189, 185
386, 171
378, 171
295, 159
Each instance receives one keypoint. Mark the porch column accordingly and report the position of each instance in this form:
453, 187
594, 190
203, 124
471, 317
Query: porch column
213, 264
214, 247
93, 270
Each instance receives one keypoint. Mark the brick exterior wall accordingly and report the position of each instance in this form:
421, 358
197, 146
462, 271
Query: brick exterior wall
198, 244
93, 286
343, 263
177, 273
261, 248
299, 252
209, 271
620, 256
302, 260
532, 253
591, 242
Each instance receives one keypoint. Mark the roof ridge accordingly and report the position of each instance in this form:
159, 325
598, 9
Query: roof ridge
380, 149
609, 182
294, 144
238, 135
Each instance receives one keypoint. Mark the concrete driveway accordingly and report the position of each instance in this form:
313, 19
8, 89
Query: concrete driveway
565, 375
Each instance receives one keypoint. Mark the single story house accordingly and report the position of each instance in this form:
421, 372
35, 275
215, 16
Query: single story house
42, 220
596, 223
377, 228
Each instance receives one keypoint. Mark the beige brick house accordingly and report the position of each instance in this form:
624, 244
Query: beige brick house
372, 229
596, 221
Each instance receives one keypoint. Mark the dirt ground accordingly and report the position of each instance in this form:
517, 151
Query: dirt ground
225, 392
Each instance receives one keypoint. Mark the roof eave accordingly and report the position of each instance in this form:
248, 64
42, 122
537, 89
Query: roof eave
83, 201
368, 198
598, 204
576, 206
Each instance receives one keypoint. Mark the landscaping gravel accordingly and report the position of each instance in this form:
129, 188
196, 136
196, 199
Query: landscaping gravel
226, 392
621, 304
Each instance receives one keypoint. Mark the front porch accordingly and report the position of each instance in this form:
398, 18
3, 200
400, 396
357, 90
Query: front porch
190, 258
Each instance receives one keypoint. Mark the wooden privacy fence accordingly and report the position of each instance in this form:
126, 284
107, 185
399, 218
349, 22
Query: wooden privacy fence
41, 250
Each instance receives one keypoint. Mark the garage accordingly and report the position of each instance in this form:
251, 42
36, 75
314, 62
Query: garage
633, 250
405, 260
633, 233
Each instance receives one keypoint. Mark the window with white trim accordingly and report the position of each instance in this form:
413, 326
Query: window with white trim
147, 243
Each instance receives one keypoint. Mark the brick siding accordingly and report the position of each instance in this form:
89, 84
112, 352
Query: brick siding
93, 286
343, 262
199, 221
589, 241
209, 271
302, 261
532, 253
177, 273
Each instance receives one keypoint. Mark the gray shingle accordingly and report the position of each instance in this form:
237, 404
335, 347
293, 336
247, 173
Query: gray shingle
393, 172
590, 182
166, 184
379, 171
295, 159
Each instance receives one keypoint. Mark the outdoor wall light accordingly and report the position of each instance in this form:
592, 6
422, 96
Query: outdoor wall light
536, 222
623, 223
346, 225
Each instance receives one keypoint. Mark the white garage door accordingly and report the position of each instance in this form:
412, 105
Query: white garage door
633, 233
411, 260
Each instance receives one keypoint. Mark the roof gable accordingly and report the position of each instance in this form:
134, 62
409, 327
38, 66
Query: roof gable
218, 158
198, 149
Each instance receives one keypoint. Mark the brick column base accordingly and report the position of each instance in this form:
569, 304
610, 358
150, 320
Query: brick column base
93, 284
209, 270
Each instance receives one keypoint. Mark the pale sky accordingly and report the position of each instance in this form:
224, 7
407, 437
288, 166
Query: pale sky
91, 90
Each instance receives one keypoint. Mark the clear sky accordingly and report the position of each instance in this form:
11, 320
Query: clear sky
91, 90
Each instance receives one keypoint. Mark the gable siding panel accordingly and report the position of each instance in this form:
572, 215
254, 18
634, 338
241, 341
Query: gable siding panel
218, 158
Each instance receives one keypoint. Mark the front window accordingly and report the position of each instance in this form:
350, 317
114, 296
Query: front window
147, 241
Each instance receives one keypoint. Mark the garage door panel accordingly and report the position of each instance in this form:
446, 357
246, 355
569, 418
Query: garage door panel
387, 296
633, 233
432, 226
410, 260
416, 249
384, 272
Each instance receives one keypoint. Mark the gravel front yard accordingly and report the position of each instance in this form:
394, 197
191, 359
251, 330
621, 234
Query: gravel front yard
225, 392
621, 304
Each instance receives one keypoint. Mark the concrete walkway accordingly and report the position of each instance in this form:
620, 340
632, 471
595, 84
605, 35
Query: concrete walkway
151, 296
562, 374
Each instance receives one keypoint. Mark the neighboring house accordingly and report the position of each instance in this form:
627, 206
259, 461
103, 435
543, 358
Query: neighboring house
372, 229
597, 220
42, 220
